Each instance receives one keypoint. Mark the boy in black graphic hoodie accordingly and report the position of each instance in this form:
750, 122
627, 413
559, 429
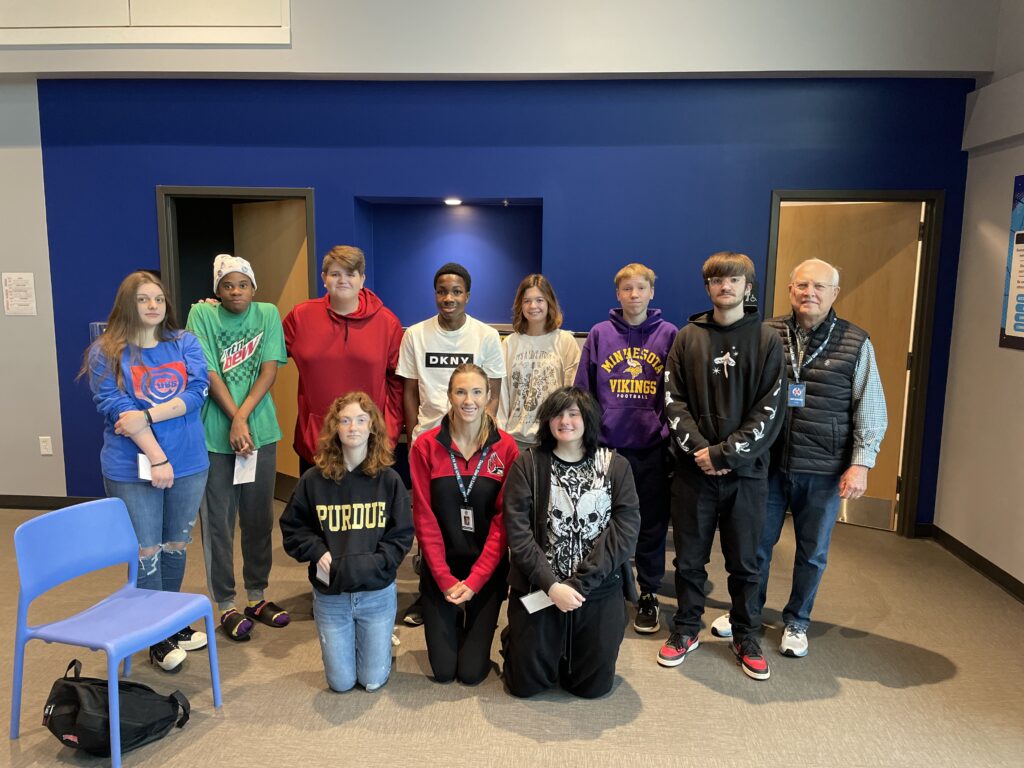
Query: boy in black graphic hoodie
351, 520
724, 397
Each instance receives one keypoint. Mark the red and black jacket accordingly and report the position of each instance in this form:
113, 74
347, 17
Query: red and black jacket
452, 554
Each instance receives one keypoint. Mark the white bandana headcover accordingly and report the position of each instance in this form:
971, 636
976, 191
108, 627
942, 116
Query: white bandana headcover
225, 264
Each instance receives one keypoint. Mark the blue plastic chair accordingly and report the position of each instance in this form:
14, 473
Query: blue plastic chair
70, 542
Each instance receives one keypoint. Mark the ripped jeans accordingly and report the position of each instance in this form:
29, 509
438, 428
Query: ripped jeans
163, 521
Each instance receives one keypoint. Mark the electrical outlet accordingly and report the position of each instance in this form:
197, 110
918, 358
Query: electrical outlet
45, 446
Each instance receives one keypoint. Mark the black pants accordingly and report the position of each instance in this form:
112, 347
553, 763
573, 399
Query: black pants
650, 473
736, 506
576, 650
459, 636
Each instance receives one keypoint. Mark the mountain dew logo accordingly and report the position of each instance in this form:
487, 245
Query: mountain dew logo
239, 352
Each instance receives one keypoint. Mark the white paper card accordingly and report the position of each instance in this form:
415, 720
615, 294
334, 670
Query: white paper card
19, 293
323, 574
536, 601
145, 468
245, 468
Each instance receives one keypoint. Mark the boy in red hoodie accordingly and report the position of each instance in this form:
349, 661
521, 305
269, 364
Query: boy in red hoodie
345, 341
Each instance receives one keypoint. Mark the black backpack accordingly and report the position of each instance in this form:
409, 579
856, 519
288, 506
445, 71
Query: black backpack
77, 714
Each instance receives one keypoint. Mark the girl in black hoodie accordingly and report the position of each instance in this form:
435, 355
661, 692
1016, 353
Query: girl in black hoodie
350, 519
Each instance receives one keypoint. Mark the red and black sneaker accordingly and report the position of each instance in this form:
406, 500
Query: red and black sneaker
749, 657
675, 649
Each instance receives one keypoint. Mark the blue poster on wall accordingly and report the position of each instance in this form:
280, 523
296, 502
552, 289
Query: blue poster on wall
1012, 333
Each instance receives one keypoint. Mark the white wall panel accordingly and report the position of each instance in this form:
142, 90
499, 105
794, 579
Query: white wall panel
63, 13
586, 38
203, 13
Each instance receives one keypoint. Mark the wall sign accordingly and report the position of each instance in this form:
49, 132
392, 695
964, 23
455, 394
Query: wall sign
1012, 333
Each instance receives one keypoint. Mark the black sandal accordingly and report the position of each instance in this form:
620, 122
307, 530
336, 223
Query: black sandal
236, 626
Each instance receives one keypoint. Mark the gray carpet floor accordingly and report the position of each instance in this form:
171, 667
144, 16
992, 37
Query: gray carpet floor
915, 660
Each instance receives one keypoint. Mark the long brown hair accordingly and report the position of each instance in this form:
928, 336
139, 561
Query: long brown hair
486, 422
330, 457
542, 284
124, 325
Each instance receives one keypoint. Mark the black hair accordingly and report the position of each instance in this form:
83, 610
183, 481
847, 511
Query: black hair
558, 401
451, 268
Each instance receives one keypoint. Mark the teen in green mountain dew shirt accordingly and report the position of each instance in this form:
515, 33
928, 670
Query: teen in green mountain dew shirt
244, 344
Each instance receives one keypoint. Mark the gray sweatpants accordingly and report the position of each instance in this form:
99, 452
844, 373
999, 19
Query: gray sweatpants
253, 504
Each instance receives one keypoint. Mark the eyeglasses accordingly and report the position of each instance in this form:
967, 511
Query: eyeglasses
359, 421
718, 282
818, 287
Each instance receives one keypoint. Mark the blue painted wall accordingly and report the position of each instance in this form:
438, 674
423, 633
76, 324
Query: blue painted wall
497, 245
663, 172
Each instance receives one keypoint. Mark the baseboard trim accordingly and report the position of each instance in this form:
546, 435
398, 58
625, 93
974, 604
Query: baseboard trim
41, 502
979, 563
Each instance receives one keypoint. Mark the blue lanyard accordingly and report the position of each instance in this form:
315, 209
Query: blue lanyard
458, 475
809, 360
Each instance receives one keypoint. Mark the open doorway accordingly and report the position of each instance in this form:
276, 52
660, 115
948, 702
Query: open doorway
885, 246
272, 228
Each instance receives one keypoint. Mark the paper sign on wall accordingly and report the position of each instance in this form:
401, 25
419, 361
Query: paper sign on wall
1012, 333
19, 293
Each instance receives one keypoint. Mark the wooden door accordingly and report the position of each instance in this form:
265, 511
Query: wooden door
272, 237
875, 245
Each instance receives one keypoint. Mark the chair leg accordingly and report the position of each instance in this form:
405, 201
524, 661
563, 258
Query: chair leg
127, 665
16, 679
114, 709
212, 653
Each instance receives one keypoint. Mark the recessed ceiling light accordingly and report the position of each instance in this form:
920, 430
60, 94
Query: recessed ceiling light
452, 201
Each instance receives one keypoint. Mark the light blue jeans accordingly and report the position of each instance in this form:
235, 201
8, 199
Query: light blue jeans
814, 502
355, 636
161, 517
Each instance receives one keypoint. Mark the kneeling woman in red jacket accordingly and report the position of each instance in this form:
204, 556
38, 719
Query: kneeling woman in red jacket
572, 516
458, 470
349, 519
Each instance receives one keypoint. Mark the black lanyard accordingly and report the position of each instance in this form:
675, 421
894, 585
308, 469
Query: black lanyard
458, 475
809, 360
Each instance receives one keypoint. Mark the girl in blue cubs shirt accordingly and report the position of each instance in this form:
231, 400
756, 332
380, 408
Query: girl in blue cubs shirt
149, 381
350, 519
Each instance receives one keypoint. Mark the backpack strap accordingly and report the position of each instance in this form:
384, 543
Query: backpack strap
179, 698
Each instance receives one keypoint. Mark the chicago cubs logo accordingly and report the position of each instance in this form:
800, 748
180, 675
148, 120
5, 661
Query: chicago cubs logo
161, 383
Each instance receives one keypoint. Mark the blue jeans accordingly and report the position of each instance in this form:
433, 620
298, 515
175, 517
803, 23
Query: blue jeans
355, 636
163, 521
814, 502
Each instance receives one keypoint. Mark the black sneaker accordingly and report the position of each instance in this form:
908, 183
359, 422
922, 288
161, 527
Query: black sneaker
414, 614
749, 657
676, 648
647, 611
166, 655
189, 639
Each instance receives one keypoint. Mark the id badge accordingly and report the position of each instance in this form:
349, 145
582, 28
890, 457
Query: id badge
467, 519
797, 394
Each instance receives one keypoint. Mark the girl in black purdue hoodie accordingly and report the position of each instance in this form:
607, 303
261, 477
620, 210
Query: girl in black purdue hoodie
350, 519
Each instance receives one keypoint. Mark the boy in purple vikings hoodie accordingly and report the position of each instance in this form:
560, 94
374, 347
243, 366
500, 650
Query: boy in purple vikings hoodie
622, 365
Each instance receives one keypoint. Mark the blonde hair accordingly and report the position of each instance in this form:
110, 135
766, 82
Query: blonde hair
330, 456
635, 270
486, 422
347, 257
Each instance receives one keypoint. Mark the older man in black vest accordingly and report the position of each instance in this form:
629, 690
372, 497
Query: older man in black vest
833, 429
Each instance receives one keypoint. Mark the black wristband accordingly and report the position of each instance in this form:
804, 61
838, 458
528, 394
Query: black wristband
149, 417
160, 463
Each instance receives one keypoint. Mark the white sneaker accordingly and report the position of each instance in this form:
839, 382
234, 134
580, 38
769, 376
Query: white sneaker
722, 626
167, 656
794, 642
